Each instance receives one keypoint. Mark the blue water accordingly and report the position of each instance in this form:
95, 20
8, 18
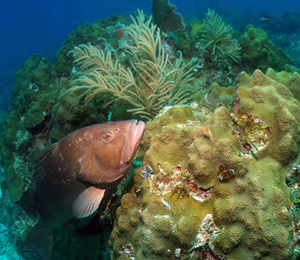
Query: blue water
29, 27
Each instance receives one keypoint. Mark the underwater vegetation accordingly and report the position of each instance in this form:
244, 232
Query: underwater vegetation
209, 181
217, 42
147, 85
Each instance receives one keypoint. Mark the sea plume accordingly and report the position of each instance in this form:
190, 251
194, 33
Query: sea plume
219, 47
147, 85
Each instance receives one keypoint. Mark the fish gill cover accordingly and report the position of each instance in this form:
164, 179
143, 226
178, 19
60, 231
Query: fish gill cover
220, 99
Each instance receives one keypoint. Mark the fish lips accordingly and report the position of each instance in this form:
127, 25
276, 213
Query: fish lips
135, 134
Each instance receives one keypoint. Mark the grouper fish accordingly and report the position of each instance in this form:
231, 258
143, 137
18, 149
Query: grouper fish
75, 176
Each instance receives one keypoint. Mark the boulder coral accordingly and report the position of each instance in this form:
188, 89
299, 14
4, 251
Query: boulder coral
218, 183
290, 80
260, 53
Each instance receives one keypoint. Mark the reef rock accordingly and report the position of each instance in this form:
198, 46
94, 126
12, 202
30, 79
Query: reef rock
217, 189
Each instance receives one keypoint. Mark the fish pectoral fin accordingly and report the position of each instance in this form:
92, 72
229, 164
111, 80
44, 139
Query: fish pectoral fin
87, 202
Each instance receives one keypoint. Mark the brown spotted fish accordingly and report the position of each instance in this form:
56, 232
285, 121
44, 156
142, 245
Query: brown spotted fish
75, 176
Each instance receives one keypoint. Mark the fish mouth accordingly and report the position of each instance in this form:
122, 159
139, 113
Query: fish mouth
135, 134
138, 133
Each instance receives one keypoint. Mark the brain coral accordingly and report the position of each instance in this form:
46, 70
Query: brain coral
218, 189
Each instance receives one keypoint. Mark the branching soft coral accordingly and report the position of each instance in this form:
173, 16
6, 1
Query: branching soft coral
218, 45
150, 83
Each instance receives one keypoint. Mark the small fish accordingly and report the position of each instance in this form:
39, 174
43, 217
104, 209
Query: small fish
75, 176
264, 18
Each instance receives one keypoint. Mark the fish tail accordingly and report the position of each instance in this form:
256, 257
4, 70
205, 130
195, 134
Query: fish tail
38, 244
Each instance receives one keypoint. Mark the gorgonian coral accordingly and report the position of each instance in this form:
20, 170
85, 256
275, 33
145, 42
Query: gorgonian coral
147, 85
217, 42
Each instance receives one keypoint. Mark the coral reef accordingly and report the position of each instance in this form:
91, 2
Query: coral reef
218, 183
290, 80
164, 16
35, 89
212, 182
7, 249
97, 33
293, 182
260, 53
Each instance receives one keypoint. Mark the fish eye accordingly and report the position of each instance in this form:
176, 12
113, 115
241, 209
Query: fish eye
107, 137
117, 129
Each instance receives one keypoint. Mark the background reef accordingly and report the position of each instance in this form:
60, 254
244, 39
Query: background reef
219, 186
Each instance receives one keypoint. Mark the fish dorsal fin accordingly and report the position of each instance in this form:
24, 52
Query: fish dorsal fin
87, 202
89, 170
39, 171
28, 198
